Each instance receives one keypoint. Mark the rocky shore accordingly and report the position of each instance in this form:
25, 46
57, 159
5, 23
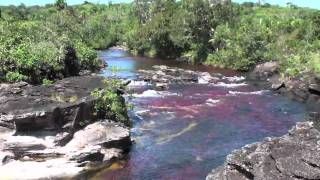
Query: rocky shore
292, 156
50, 132
304, 88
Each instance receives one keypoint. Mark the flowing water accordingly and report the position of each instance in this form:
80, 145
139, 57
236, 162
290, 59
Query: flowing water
187, 130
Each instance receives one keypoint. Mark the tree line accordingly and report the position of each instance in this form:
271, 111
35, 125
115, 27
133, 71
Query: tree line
44, 43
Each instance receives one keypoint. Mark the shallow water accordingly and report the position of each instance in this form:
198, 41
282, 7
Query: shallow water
186, 131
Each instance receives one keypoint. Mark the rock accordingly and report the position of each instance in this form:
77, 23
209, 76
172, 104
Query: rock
265, 70
164, 76
277, 86
51, 169
19, 144
47, 107
314, 89
90, 149
162, 86
42, 135
5, 157
85, 73
206, 78
295, 155
137, 84
106, 134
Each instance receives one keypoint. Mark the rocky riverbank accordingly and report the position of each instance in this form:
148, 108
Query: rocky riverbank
304, 88
51, 131
292, 156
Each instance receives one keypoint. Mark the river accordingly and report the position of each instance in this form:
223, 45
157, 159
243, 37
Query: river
186, 131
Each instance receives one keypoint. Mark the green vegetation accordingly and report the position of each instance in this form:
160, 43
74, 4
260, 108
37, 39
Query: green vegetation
55, 41
110, 103
38, 44
228, 35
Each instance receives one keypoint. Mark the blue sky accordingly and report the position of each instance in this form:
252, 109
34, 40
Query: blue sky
302, 3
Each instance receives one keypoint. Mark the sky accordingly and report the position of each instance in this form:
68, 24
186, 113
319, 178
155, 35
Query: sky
301, 3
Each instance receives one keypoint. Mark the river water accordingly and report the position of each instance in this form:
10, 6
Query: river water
187, 130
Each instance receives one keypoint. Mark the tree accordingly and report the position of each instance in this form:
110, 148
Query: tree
142, 10
61, 4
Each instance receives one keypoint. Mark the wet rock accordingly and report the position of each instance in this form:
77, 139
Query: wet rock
5, 157
206, 78
163, 76
265, 70
292, 156
162, 86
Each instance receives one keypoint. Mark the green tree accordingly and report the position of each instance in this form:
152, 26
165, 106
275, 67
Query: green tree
61, 4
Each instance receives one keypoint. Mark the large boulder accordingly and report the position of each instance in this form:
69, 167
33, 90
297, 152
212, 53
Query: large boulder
25, 107
106, 134
265, 70
295, 155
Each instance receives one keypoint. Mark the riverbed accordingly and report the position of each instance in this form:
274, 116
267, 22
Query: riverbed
185, 131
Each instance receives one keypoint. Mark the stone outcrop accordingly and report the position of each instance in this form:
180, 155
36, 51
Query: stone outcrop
304, 88
265, 70
38, 157
162, 76
50, 132
24, 107
295, 155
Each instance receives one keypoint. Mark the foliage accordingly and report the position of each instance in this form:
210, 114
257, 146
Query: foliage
15, 77
110, 103
47, 82
57, 41
226, 34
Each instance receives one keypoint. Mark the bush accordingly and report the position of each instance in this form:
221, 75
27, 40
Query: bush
13, 77
110, 103
88, 57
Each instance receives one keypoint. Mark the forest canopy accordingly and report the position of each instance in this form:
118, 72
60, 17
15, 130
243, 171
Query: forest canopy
44, 43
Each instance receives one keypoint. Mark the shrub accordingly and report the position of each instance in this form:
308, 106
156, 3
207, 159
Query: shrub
87, 56
13, 77
110, 103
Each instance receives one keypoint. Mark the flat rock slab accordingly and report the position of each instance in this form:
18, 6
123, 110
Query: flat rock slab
106, 134
295, 155
37, 157
27, 107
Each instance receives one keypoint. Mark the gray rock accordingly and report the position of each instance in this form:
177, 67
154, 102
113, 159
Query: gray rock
106, 134
26, 107
295, 155
315, 88
41, 131
265, 70
162, 76
91, 148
